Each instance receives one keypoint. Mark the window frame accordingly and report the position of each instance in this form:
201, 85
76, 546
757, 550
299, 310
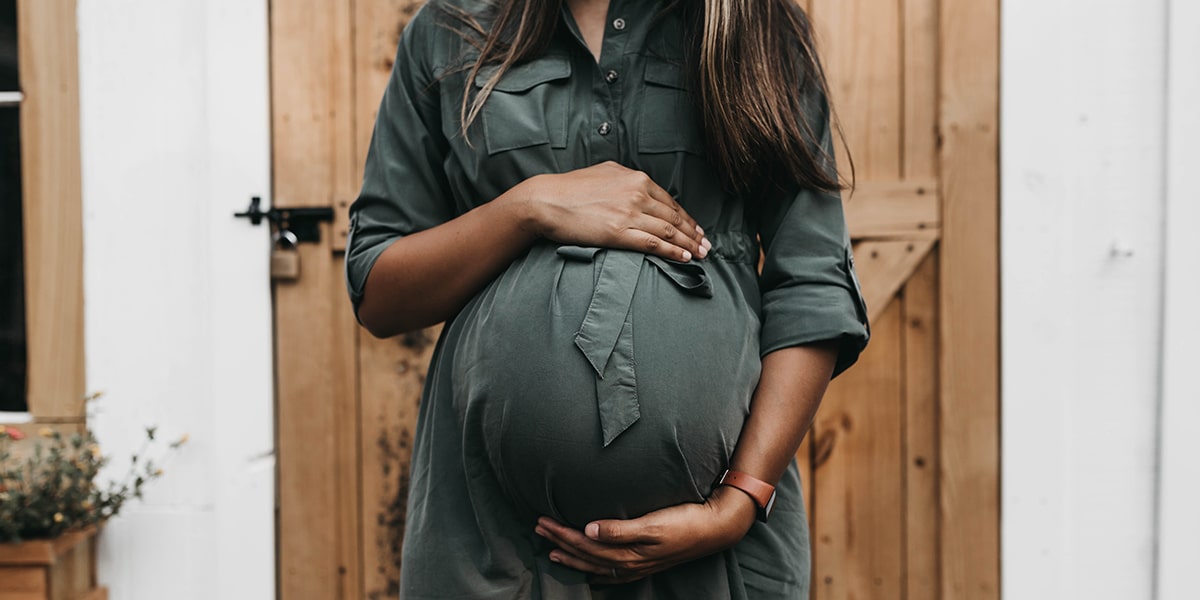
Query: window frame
52, 211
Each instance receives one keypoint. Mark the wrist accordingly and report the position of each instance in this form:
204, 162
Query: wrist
736, 508
521, 201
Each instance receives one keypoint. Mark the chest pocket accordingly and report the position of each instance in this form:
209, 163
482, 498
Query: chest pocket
528, 106
670, 119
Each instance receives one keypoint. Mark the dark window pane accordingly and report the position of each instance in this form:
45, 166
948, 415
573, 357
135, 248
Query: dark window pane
8, 47
12, 265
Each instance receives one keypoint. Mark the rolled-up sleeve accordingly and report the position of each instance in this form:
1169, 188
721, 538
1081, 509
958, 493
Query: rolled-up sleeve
810, 292
404, 187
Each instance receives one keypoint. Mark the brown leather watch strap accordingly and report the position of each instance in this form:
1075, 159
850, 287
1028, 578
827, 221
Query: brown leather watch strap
762, 492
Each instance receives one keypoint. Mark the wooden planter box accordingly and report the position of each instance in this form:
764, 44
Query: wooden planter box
63, 568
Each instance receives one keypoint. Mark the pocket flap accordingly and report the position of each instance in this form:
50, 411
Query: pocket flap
523, 76
666, 74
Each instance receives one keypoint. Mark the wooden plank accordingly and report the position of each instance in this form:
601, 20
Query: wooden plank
347, 402
71, 577
859, 466
921, 464
312, 129
44, 552
883, 267
311, 76
920, 82
861, 48
49, 57
804, 461
22, 583
392, 374
895, 209
377, 27
32, 552
969, 424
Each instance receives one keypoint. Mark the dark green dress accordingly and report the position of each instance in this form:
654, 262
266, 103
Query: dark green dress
586, 383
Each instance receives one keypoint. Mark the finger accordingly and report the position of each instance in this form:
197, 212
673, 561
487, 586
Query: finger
579, 564
638, 239
692, 240
669, 233
665, 199
576, 543
624, 532
600, 574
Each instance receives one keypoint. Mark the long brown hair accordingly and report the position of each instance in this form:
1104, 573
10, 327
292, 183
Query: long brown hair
755, 63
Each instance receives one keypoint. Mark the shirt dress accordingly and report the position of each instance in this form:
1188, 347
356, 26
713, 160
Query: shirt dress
586, 383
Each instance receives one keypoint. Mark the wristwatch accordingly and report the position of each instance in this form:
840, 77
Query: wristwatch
762, 492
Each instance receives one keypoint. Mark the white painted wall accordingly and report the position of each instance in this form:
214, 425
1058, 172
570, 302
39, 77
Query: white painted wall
1085, 365
174, 98
1179, 491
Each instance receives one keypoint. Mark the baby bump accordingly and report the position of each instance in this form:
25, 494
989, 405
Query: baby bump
606, 384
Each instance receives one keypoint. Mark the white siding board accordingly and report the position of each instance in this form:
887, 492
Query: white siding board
175, 134
1082, 151
1179, 493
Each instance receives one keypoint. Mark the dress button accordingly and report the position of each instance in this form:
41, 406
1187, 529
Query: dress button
610, 76
604, 128
619, 24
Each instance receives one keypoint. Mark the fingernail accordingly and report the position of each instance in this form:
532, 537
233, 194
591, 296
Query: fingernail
592, 531
699, 229
707, 244
687, 256
702, 251
555, 558
538, 530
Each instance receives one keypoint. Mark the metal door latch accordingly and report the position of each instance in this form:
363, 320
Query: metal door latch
303, 222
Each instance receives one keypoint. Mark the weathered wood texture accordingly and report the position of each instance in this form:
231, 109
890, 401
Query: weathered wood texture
53, 213
906, 448
922, 557
969, 432
318, 437
859, 474
391, 372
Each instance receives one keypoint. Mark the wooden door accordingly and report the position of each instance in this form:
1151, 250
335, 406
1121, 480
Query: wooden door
902, 466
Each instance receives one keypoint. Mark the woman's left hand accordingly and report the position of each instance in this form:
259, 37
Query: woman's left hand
620, 551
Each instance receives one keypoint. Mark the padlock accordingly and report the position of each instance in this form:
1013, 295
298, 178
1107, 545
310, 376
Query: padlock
285, 257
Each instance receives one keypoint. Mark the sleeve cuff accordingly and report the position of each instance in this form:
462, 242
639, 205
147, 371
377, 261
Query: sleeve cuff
814, 313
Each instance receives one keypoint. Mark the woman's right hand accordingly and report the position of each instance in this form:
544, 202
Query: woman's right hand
611, 206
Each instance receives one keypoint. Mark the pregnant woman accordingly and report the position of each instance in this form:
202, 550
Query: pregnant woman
581, 189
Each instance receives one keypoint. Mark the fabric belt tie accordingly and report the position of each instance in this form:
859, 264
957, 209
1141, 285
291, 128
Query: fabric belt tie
606, 335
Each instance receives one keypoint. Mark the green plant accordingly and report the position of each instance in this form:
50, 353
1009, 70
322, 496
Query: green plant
54, 489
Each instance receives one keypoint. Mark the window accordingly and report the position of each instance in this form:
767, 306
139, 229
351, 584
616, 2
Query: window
12, 271
41, 222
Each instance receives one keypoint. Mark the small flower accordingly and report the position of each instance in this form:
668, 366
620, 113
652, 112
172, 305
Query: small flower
87, 503
58, 517
13, 433
46, 432
94, 450
183, 439
158, 472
